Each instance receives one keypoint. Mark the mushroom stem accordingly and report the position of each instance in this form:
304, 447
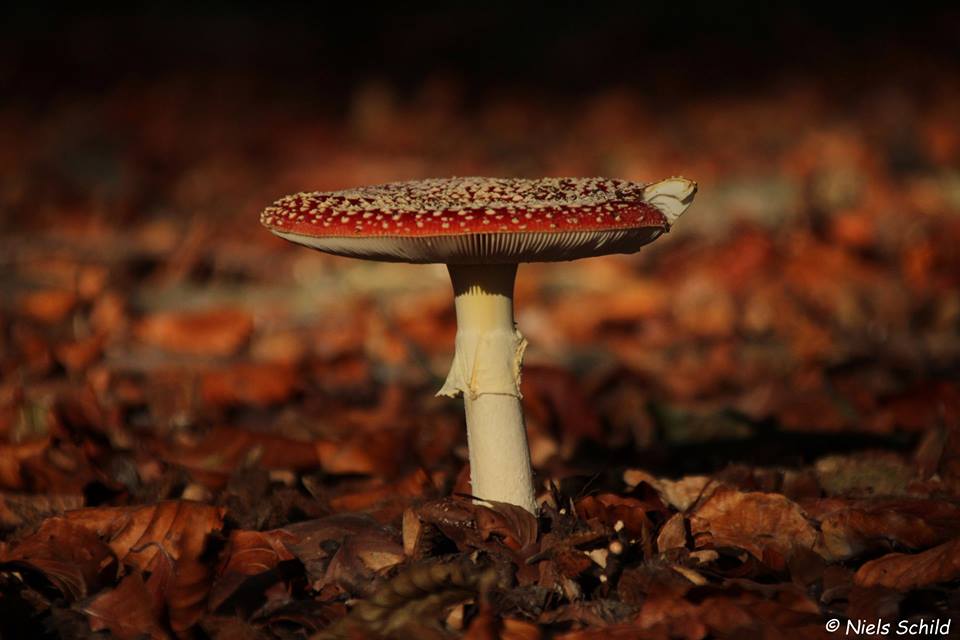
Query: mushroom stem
486, 370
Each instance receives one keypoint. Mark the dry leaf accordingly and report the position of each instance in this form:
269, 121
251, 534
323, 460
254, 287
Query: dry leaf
148, 537
904, 572
852, 527
67, 554
12, 457
673, 533
344, 549
768, 525
219, 332
257, 384
248, 553
223, 450
51, 306
611, 509
474, 525
19, 509
127, 611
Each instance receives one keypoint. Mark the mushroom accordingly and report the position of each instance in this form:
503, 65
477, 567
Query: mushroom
482, 228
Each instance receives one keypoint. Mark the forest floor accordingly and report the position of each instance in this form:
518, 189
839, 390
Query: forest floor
746, 430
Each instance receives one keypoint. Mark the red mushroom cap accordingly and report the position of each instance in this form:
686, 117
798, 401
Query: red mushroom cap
472, 220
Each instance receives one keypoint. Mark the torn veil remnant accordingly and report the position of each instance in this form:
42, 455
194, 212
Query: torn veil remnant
482, 228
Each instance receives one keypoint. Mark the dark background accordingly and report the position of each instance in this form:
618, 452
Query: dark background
321, 52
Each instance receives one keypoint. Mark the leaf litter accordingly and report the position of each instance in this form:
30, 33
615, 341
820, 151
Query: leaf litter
750, 428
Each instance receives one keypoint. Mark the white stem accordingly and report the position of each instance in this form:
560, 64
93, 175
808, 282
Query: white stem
486, 370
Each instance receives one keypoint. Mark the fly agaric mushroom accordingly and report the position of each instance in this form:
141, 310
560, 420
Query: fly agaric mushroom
481, 228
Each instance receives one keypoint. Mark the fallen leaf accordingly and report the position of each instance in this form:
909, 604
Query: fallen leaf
673, 533
768, 525
905, 572
126, 611
515, 525
473, 525
413, 532
222, 450
50, 306
382, 498
17, 509
849, 528
12, 457
148, 537
363, 454
683, 494
611, 509
78, 355
248, 553
346, 549
218, 332
67, 554
788, 614
255, 384
359, 561
555, 396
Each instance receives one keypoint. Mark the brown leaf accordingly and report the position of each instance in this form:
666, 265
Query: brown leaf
363, 453
78, 355
570, 563
361, 547
551, 394
872, 602
768, 525
50, 306
61, 468
610, 509
612, 632
20, 509
256, 384
516, 525
108, 316
486, 626
680, 494
852, 527
384, 499
412, 532
251, 552
789, 614
127, 611
217, 332
703, 307
654, 577
926, 404
222, 450
673, 533
139, 534
228, 627
12, 457
148, 537
904, 572
359, 560
69, 555
473, 525
32, 348
248, 553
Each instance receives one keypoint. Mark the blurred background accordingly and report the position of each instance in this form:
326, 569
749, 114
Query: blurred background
808, 304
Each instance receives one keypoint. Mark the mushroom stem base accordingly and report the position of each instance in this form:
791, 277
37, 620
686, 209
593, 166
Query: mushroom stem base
486, 371
499, 456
